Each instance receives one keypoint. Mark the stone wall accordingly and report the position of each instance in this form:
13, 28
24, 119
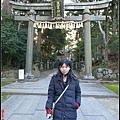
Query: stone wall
10, 74
104, 73
100, 73
14, 74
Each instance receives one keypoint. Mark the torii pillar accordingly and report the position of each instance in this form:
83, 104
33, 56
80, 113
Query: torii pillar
87, 45
30, 40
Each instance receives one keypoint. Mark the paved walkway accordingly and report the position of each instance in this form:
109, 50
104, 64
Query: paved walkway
28, 100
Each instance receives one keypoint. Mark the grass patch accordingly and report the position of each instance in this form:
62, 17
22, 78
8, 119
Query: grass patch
113, 87
3, 83
5, 96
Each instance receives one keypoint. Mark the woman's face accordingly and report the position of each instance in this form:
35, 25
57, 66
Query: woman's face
64, 69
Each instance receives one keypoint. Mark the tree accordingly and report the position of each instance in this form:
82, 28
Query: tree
13, 41
52, 40
107, 31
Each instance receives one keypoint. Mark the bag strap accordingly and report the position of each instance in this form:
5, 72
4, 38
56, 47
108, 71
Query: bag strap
61, 94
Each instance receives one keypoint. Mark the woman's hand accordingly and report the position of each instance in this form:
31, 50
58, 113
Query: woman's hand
48, 113
77, 105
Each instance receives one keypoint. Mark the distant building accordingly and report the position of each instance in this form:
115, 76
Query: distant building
61, 54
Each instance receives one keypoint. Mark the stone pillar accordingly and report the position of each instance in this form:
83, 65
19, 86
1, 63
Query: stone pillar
87, 45
29, 54
48, 65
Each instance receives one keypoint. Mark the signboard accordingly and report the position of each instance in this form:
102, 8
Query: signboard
57, 9
21, 74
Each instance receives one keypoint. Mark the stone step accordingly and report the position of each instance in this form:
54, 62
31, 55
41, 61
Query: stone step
41, 88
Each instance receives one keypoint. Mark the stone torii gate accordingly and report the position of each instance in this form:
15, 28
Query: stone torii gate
57, 8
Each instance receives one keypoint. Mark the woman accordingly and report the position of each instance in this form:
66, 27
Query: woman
65, 108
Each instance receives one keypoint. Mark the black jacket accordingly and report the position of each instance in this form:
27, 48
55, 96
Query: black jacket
66, 107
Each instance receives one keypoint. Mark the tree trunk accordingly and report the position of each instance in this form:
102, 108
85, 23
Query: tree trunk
6, 6
39, 41
118, 15
9, 60
105, 43
113, 19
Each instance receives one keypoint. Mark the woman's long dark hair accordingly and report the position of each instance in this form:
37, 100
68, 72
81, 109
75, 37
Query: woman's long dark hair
68, 63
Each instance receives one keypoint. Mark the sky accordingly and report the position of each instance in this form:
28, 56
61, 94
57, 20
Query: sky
65, 1
68, 1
